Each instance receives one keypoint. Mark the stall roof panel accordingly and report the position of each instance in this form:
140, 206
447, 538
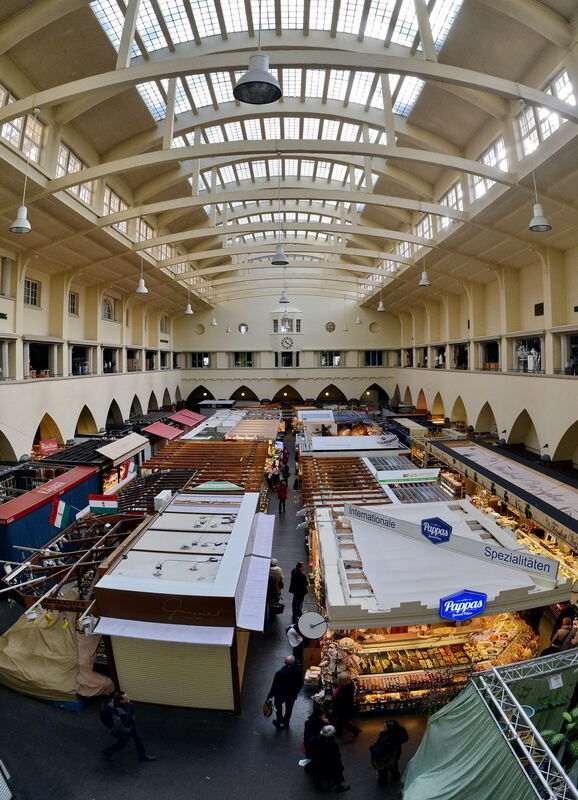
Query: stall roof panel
163, 431
123, 449
184, 419
251, 613
20, 506
165, 632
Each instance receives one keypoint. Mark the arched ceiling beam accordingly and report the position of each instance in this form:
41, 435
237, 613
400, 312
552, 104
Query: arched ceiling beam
251, 148
537, 17
33, 18
252, 209
292, 280
207, 116
257, 227
187, 60
492, 104
251, 265
238, 294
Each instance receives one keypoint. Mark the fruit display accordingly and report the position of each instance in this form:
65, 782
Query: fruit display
407, 660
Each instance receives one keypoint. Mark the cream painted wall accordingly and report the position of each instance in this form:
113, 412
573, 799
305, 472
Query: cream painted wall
531, 292
492, 307
571, 274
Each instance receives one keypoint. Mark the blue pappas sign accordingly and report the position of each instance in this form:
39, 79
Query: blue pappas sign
463, 605
436, 530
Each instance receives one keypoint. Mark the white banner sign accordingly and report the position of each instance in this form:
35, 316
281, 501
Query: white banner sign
521, 559
407, 476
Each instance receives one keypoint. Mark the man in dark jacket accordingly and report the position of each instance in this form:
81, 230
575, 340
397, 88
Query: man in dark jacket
386, 751
298, 587
286, 685
124, 727
325, 763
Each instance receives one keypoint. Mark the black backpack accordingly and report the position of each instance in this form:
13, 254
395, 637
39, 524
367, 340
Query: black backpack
106, 715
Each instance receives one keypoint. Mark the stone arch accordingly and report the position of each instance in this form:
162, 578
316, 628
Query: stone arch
153, 404
486, 421
459, 411
523, 431
567, 449
85, 422
198, 394
135, 407
6, 450
288, 394
167, 398
331, 394
375, 395
421, 402
178, 395
48, 429
114, 415
395, 397
438, 408
407, 399
244, 393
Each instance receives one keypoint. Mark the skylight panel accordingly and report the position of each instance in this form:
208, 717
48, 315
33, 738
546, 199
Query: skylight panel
273, 128
406, 28
153, 98
441, 18
259, 169
291, 14
339, 172
176, 20
320, 15
338, 80
214, 135
148, 27
222, 85
205, 15
329, 130
377, 137
307, 168
179, 141
292, 125
349, 18
274, 167
376, 99
243, 171
361, 87
292, 82
291, 166
235, 15
301, 217
379, 18
111, 18
359, 178
199, 89
314, 82
407, 95
349, 132
253, 129
234, 131
311, 128
323, 169
267, 14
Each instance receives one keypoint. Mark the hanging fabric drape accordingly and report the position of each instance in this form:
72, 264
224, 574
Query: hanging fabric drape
463, 755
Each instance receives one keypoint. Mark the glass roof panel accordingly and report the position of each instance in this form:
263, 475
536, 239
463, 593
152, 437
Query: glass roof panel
152, 96
349, 132
292, 127
177, 21
292, 14
361, 86
111, 18
205, 15
267, 14
349, 18
442, 17
314, 82
253, 128
199, 89
407, 95
405, 29
234, 131
214, 135
338, 81
291, 82
311, 128
235, 15
320, 15
273, 128
223, 87
379, 18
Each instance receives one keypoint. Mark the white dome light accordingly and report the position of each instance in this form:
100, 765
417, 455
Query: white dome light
257, 86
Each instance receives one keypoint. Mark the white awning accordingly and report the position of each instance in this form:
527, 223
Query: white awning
165, 632
123, 449
263, 541
251, 613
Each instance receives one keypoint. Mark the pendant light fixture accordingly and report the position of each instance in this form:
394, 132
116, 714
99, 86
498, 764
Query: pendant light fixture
141, 288
380, 306
21, 223
213, 322
424, 280
228, 329
257, 86
188, 309
284, 299
279, 259
358, 320
539, 222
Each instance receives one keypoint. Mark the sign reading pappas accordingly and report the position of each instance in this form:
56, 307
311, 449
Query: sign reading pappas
103, 503
436, 530
462, 605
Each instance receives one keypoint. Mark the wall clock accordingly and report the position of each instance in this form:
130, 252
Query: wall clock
286, 343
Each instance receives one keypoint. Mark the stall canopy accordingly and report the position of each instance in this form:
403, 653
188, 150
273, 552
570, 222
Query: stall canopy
165, 632
123, 449
188, 418
21, 506
463, 754
261, 430
163, 431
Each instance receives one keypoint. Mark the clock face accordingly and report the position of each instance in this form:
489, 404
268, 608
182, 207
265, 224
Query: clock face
312, 625
286, 343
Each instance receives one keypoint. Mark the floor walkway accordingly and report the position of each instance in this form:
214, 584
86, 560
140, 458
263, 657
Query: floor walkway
56, 755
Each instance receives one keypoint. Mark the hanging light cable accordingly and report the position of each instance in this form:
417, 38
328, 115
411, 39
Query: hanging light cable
257, 86
21, 223
284, 299
279, 259
539, 222
380, 306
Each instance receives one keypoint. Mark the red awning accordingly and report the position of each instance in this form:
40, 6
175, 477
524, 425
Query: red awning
20, 506
163, 431
188, 418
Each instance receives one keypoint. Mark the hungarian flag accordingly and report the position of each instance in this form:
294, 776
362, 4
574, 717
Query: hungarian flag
103, 503
129, 470
62, 514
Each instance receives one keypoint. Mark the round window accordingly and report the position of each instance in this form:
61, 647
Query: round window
329, 327
243, 327
374, 327
200, 329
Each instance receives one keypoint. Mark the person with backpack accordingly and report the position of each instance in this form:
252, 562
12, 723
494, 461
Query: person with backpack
385, 752
118, 715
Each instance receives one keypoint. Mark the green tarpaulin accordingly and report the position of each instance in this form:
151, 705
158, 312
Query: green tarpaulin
463, 755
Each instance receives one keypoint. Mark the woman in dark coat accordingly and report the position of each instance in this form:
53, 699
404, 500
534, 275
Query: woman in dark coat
344, 706
298, 587
326, 765
313, 724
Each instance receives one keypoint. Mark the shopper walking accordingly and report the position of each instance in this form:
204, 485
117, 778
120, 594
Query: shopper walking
124, 727
287, 683
313, 725
298, 587
325, 764
344, 705
386, 751
296, 641
282, 495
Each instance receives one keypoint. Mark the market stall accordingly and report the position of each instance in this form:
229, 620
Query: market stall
182, 599
254, 430
161, 434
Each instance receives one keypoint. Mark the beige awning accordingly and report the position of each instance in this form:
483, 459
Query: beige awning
124, 448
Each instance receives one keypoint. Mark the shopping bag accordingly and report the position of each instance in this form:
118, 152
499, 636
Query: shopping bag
267, 708
278, 608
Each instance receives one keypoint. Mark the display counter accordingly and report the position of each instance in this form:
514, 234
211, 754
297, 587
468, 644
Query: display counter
452, 484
